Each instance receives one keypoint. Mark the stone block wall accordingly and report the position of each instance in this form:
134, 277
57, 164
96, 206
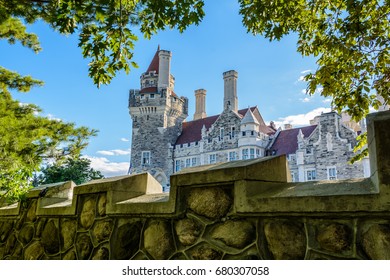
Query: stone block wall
237, 210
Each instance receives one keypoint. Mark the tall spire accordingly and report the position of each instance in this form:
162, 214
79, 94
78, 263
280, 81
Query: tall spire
154, 64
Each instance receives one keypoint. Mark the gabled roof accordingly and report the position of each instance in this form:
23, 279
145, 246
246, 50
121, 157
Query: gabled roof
192, 130
154, 64
286, 142
249, 118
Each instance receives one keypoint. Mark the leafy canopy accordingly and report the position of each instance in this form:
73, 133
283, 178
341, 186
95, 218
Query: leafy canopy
27, 139
350, 39
105, 27
77, 170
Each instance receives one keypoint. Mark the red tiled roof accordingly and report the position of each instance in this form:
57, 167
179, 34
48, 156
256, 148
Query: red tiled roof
149, 90
287, 143
153, 66
192, 130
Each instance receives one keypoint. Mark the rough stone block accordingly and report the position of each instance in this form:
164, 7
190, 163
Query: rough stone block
212, 203
158, 240
34, 251
235, 233
50, 238
188, 231
83, 246
376, 242
68, 233
125, 241
88, 212
204, 251
26, 234
102, 230
286, 240
334, 237
5, 230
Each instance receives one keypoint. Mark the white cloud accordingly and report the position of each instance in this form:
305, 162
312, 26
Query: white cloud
301, 78
305, 100
328, 100
301, 119
319, 90
116, 152
303, 91
123, 139
108, 168
52, 117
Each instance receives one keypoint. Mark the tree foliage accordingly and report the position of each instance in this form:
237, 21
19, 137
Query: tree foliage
350, 39
27, 139
106, 28
77, 170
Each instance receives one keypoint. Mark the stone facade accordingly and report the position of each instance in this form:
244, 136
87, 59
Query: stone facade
157, 114
319, 152
237, 210
163, 143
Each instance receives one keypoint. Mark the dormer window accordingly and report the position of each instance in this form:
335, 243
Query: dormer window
151, 96
142, 96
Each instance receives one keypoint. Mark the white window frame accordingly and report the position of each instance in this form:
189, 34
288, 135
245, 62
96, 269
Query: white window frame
194, 161
252, 153
232, 156
332, 176
292, 177
177, 165
188, 162
151, 96
311, 177
213, 158
145, 158
245, 153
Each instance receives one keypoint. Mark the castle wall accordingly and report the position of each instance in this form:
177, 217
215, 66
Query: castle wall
330, 146
236, 210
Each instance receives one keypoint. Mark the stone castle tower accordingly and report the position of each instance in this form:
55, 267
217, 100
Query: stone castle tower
157, 114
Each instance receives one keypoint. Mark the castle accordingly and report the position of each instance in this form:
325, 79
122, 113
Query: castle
163, 143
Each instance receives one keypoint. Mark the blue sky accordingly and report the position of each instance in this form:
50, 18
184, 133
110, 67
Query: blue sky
269, 76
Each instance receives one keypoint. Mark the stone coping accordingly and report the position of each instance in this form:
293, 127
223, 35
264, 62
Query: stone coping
271, 169
256, 186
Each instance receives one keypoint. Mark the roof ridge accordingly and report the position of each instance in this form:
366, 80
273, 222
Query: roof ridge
154, 64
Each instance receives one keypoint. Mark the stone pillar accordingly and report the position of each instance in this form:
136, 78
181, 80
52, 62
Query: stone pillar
230, 100
200, 104
164, 69
378, 139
